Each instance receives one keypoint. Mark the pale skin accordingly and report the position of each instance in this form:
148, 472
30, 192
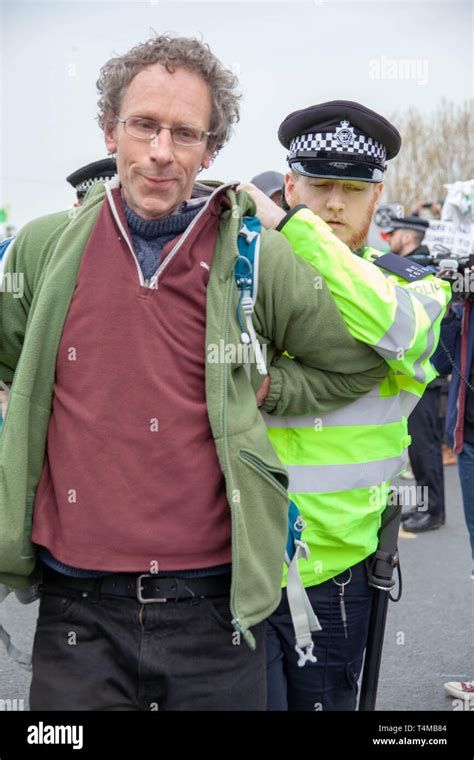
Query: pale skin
403, 242
347, 206
157, 176
3, 401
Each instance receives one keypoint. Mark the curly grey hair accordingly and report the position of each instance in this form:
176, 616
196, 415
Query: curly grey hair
173, 52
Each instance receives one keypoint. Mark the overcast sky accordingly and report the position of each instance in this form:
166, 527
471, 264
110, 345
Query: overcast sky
288, 55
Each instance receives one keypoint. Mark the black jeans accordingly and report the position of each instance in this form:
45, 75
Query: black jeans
331, 682
425, 451
112, 653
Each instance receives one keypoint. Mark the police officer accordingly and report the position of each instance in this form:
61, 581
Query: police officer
98, 171
341, 465
405, 237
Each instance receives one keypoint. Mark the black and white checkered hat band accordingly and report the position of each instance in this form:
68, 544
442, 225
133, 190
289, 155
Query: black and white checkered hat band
327, 141
83, 187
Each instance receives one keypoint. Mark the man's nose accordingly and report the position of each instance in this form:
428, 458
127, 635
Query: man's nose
335, 200
162, 147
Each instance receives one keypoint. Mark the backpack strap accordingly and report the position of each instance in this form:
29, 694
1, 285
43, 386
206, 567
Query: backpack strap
4, 244
248, 243
302, 614
246, 279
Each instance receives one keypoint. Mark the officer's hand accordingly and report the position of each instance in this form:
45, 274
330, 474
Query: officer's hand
4, 402
262, 392
268, 212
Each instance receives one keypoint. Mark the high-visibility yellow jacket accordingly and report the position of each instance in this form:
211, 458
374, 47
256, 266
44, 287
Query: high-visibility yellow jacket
341, 464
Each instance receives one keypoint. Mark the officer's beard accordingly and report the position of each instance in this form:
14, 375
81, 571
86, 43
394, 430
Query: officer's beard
357, 240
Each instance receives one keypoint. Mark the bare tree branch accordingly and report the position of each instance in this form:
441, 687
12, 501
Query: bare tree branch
436, 149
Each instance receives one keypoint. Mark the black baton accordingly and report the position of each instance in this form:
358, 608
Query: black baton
380, 567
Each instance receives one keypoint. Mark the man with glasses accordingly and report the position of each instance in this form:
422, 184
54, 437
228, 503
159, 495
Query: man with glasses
136, 470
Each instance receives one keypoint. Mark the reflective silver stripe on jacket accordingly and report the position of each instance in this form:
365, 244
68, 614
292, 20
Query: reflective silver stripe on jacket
343, 477
402, 332
367, 410
433, 309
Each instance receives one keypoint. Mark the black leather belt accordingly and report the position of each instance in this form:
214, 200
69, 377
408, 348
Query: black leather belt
145, 588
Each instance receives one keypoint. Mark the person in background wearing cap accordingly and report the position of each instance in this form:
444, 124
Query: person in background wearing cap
81, 180
85, 177
341, 464
405, 238
272, 184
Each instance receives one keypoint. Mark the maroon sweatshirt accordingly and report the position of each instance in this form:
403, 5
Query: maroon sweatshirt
131, 475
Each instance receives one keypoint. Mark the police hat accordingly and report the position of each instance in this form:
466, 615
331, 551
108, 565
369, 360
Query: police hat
339, 139
407, 223
97, 171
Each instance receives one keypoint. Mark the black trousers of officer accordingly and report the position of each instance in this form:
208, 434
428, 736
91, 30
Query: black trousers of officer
331, 682
425, 451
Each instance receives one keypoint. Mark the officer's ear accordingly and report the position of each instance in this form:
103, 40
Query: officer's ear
378, 191
290, 194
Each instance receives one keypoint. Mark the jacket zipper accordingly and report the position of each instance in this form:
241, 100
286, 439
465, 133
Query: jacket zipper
235, 620
152, 282
247, 456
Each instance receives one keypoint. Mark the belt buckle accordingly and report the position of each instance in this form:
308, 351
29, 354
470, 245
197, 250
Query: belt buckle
140, 589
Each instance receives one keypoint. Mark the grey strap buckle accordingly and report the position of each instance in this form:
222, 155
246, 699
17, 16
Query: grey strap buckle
140, 589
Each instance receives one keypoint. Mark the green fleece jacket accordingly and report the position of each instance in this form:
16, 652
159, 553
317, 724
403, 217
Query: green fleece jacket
293, 313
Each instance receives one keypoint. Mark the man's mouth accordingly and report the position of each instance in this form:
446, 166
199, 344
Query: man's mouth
334, 223
159, 182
